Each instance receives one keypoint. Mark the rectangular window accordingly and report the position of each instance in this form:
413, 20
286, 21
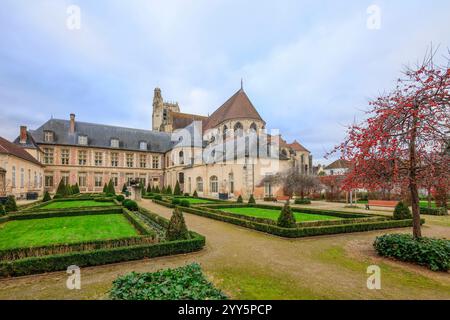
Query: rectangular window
129, 178
82, 157
98, 159
22, 177
155, 162
48, 155
114, 159
98, 180
82, 179
48, 136
48, 180
83, 140
143, 145
115, 179
13, 177
65, 155
65, 177
130, 160
143, 160
114, 143
268, 189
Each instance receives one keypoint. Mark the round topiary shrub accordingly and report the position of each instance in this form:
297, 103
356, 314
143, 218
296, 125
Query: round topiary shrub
10, 204
158, 197
286, 218
130, 205
302, 201
251, 200
240, 200
402, 212
176, 201
177, 229
195, 194
185, 203
120, 198
46, 197
187, 194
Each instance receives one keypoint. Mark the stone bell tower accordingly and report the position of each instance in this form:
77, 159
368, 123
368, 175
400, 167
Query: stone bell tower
158, 110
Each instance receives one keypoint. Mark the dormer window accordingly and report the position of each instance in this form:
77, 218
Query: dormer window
48, 136
114, 143
142, 145
83, 140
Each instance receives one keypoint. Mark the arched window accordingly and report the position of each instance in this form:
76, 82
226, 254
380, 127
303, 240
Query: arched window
231, 182
238, 129
284, 152
214, 184
253, 127
224, 134
181, 157
199, 182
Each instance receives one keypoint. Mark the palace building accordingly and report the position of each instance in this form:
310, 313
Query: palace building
225, 154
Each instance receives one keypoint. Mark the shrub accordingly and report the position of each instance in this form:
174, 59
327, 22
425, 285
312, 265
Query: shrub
177, 229
158, 197
176, 201
2, 210
124, 188
120, 198
251, 200
183, 283
240, 200
149, 188
286, 218
270, 199
195, 194
110, 188
302, 201
46, 197
187, 194
157, 190
76, 189
62, 189
402, 212
57, 196
433, 253
10, 204
105, 188
177, 190
434, 211
130, 205
185, 203
169, 190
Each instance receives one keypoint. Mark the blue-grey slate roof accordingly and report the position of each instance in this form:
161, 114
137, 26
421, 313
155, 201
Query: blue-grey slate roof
100, 136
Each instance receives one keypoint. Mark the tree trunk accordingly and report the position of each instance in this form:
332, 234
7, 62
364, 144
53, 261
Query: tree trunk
417, 233
429, 197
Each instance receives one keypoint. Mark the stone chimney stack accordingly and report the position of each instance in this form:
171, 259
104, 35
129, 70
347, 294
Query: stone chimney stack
72, 123
23, 134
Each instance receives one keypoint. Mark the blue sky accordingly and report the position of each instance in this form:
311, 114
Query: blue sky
308, 66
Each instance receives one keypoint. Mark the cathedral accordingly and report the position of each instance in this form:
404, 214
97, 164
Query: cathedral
223, 155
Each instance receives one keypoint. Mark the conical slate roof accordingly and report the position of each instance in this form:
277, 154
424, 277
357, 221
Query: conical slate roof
238, 106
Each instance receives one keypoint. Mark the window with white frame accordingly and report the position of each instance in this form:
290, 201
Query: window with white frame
82, 157
98, 180
155, 162
82, 180
13, 177
65, 155
114, 159
199, 184
48, 155
143, 145
48, 136
98, 159
83, 140
115, 143
130, 160
214, 184
48, 180
143, 161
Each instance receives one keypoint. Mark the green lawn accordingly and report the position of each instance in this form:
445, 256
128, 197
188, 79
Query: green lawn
424, 204
196, 200
40, 232
274, 214
77, 204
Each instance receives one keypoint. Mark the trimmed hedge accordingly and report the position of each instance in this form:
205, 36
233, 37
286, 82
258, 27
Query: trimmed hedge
306, 231
21, 253
434, 211
137, 222
65, 213
98, 257
154, 217
433, 253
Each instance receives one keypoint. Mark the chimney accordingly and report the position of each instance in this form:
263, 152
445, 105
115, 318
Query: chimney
72, 123
23, 135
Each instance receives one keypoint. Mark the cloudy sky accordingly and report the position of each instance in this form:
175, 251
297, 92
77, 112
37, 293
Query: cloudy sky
308, 66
